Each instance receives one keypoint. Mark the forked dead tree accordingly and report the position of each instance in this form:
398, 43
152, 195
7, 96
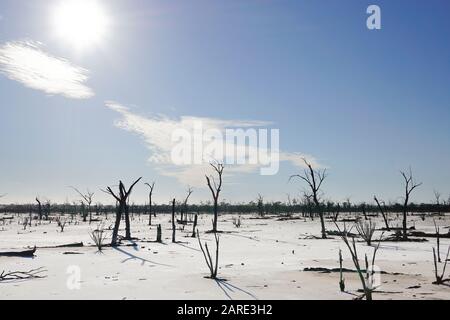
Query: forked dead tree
314, 178
216, 188
87, 199
122, 208
184, 210
365, 275
213, 265
61, 223
150, 194
410, 185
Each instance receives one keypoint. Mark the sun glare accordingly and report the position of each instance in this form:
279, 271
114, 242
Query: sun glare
82, 23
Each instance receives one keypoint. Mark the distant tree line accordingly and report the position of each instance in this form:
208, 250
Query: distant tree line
304, 207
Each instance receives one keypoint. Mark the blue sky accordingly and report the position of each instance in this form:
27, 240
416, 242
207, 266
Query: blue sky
366, 104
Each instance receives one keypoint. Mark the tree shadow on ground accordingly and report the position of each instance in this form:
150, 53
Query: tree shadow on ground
229, 288
142, 260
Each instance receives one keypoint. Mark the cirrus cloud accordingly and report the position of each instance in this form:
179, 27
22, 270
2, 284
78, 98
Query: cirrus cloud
156, 131
26, 62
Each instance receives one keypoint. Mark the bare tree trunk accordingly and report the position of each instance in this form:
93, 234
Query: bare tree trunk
159, 234
195, 225
116, 225
364, 211
404, 223
173, 221
127, 222
216, 215
322, 221
150, 194
39, 208
320, 212
30, 215
150, 211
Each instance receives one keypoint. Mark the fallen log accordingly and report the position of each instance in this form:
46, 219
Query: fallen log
396, 238
69, 245
345, 270
428, 235
341, 233
25, 254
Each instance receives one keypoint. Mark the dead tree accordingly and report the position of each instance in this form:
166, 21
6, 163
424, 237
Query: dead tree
184, 210
341, 275
337, 212
383, 213
87, 199
195, 225
173, 221
39, 208
410, 185
440, 278
438, 241
122, 208
159, 234
365, 275
47, 208
437, 197
216, 188
213, 267
61, 223
314, 178
31, 215
150, 194
260, 205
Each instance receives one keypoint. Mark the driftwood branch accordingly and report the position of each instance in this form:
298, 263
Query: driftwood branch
22, 275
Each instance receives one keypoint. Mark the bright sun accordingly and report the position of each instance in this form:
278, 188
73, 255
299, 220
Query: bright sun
82, 23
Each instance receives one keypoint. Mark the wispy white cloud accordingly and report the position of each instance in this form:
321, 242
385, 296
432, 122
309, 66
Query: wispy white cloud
157, 130
27, 63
